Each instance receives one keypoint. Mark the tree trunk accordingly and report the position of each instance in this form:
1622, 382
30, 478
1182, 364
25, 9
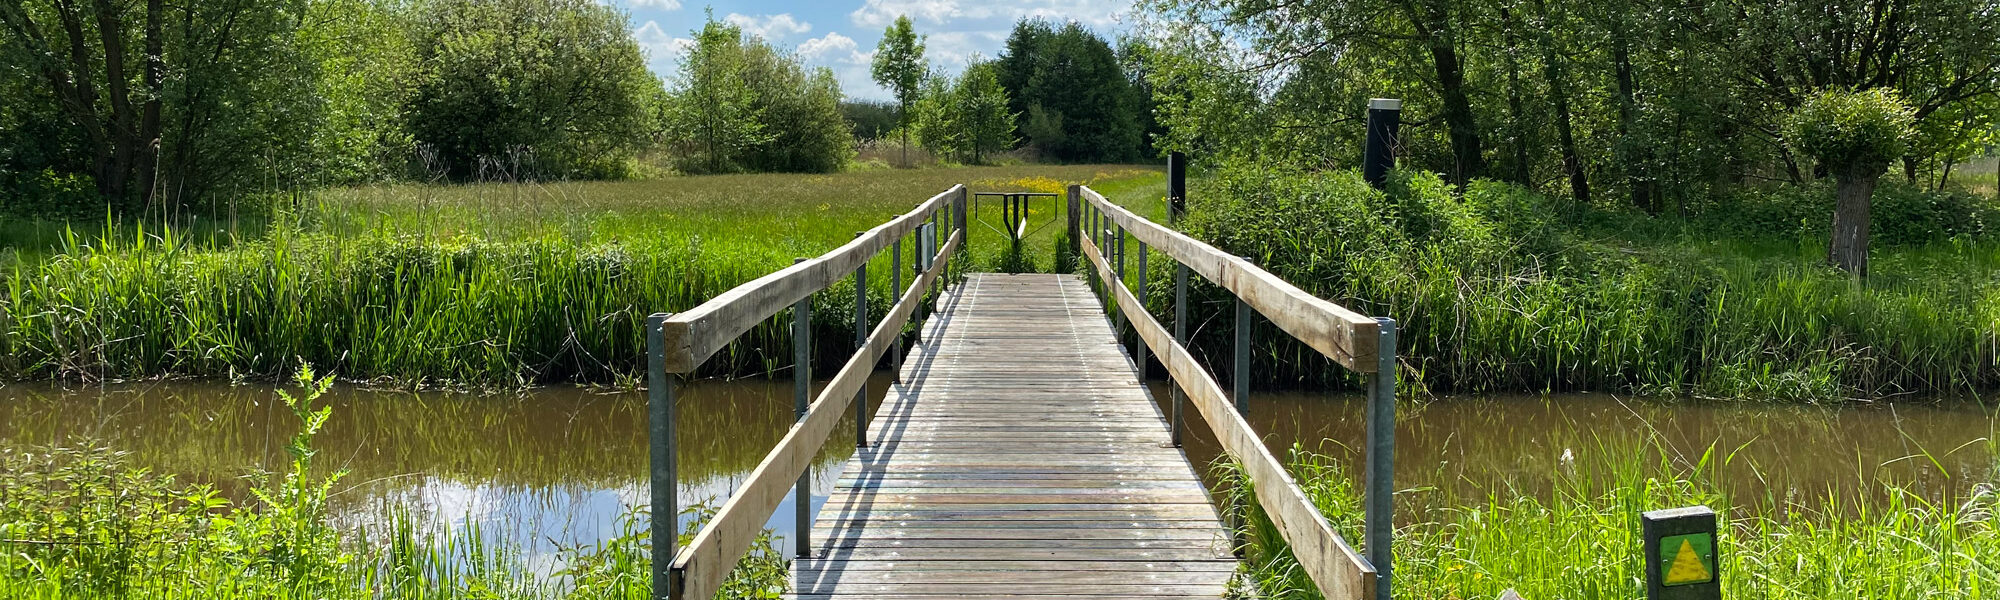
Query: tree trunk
1523, 173
1636, 157
1579, 182
1433, 24
1849, 249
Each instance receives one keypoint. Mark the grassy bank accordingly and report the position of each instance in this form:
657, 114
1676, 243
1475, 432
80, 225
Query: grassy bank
482, 284
1583, 541
82, 522
1505, 289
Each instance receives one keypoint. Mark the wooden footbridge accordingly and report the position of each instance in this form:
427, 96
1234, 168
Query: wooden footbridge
1018, 454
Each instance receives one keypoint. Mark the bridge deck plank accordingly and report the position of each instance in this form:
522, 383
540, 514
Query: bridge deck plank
1020, 457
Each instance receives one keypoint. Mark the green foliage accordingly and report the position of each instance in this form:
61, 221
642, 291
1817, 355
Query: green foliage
871, 120
899, 62
1854, 134
1505, 289
1073, 92
82, 522
531, 89
1902, 546
740, 105
965, 117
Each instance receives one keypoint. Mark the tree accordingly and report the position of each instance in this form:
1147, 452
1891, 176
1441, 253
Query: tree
158, 102
965, 117
1854, 135
800, 114
899, 65
739, 104
1076, 99
989, 127
553, 87
713, 115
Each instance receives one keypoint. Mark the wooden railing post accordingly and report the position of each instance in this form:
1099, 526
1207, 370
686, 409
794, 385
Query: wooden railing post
959, 225
1379, 479
660, 445
801, 400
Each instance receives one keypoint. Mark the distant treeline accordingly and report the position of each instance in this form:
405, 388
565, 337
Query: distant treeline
167, 105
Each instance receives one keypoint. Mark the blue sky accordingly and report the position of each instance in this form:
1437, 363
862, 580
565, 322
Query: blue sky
841, 34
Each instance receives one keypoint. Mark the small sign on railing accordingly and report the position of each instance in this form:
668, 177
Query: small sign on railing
1681, 554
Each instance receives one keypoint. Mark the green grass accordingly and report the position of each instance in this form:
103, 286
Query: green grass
489, 285
1507, 290
1582, 542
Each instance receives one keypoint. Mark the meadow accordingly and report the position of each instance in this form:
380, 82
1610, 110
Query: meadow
487, 285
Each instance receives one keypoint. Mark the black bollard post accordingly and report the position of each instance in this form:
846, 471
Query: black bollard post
1384, 120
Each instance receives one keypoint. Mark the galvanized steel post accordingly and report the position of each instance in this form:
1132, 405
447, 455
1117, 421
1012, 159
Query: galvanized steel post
801, 400
896, 295
1379, 480
860, 343
1138, 341
1180, 339
660, 444
1240, 378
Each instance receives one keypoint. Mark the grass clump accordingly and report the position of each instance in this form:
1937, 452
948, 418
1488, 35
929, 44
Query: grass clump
1501, 288
1583, 541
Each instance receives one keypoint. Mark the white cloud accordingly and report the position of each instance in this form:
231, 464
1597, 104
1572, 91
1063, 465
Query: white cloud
834, 47
666, 5
769, 27
1095, 13
661, 48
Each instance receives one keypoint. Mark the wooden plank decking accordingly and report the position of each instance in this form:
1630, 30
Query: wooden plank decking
1020, 457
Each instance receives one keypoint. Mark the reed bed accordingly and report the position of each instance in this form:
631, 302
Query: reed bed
477, 285
1504, 289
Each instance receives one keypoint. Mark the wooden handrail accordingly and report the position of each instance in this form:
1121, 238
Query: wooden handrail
694, 335
1343, 335
678, 344
1333, 565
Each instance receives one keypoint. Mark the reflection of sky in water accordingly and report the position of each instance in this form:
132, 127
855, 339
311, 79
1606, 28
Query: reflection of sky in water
535, 522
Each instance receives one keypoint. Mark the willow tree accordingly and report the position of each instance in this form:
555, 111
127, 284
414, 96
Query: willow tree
1854, 135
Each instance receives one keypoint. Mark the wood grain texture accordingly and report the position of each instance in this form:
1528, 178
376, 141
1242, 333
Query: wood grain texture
697, 333
1019, 457
1349, 338
720, 544
1333, 565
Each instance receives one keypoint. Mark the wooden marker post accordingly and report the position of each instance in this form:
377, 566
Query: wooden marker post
1385, 118
1683, 556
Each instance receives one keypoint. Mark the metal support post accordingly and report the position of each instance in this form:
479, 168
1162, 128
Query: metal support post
801, 400
860, 343
660, 443
1138, 341
1180, 338
1379, 479
1241, 377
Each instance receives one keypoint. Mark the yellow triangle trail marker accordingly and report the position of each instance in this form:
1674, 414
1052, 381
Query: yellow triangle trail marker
1687, 566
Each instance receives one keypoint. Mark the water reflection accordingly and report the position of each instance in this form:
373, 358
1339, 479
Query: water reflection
560, 466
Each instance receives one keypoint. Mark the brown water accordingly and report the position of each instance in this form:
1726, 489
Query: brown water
562, 466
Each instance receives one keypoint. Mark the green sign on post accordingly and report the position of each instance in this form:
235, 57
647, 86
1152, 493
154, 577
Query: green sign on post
1681, 554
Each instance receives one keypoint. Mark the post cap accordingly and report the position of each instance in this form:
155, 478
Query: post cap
1385, 104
